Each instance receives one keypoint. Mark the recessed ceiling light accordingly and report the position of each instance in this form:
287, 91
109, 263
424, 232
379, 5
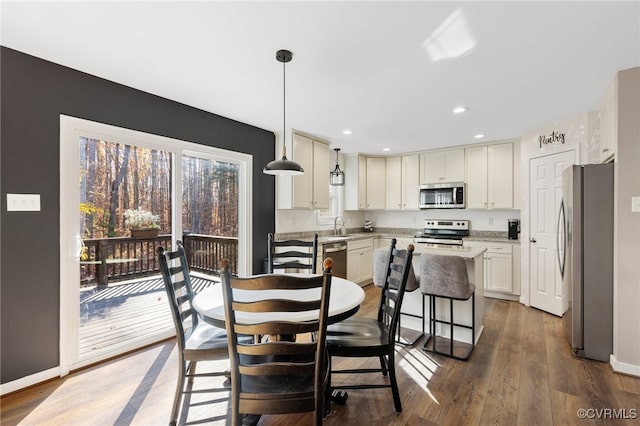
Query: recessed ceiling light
386, 149
479, 136
460, 109
346, 132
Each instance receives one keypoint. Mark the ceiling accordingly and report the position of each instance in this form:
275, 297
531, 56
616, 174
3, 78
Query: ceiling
390, 72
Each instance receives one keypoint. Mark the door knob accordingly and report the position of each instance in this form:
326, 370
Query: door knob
532, 240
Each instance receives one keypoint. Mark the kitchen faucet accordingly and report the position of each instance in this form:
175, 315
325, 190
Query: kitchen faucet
343, 230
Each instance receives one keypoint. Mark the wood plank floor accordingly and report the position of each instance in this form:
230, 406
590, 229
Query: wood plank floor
522, 372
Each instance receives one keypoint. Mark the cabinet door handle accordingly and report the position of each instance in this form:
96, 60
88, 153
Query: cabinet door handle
605, 150
532, 240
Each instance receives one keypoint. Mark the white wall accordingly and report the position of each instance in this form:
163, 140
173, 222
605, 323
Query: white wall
626, 278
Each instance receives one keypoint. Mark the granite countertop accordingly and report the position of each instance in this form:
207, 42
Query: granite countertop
357, 234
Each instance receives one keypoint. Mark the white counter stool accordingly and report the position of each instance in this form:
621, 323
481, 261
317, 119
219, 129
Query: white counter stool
446, 277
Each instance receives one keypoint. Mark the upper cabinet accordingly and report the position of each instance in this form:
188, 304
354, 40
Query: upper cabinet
489, 176
608, 114
376, 183
410, 181
442, 166
355, 182
311, 189
394, 183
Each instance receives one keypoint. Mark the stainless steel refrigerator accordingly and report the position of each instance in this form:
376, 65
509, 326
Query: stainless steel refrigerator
585, 258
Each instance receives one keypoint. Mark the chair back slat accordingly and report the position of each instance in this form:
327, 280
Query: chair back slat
276, 282
276, 328
273, 305
277, 348
270, 376
280, 253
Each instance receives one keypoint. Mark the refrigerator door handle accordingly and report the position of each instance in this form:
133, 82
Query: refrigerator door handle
561, 239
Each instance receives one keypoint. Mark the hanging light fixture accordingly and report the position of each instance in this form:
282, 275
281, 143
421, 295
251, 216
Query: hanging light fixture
336, 177
283, 166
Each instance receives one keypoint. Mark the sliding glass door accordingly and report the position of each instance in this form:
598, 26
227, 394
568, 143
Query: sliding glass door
123, 195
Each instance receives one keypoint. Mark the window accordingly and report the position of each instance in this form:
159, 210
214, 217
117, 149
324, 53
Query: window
327, 216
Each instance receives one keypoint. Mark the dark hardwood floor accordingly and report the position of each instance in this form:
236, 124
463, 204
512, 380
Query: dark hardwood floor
522, 372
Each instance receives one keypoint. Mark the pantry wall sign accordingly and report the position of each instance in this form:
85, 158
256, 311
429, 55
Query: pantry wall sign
554, 137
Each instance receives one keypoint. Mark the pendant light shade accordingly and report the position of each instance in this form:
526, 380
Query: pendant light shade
336, 177
283, 166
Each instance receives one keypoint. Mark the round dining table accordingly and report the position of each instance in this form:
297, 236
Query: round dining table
344, 301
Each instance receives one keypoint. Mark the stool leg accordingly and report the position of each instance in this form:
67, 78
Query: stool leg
473, 319
433, 321
451, 326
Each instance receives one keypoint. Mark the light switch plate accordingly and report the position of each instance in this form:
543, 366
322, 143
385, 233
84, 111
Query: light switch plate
23, 202
635, 204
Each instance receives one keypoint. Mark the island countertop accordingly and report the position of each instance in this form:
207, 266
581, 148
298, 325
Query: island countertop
462, 251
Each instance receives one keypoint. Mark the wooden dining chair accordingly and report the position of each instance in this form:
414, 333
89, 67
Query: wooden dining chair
197, 340
292, 254
276, 377
374, 337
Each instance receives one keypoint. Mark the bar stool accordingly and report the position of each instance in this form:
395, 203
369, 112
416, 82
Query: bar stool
446, 277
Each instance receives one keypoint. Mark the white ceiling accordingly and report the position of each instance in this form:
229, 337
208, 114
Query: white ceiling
366, 66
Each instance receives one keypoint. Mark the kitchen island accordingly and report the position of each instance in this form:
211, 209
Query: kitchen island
417, 307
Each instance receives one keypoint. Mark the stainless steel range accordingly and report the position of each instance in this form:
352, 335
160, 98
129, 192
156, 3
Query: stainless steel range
443, 232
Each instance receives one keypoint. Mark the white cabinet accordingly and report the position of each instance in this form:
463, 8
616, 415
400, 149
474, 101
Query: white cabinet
394, 183
311, 189
410, 181
403, 182
608, 114
501, 269
442, 166
489, 176
476, 179
360, 260
376, 183
355, 182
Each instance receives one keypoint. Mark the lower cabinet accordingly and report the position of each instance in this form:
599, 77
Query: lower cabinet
501, 269
360, 261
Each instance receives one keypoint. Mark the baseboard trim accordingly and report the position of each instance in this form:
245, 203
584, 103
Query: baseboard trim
33, 379
624, 368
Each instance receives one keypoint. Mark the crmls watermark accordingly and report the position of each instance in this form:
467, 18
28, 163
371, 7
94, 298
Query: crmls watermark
607, 413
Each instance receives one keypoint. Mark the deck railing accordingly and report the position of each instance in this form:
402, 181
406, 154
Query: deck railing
121, 258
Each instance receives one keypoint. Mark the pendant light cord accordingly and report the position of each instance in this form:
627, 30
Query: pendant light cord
284, 109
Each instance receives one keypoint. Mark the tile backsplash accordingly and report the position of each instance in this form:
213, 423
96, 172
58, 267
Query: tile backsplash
480, 220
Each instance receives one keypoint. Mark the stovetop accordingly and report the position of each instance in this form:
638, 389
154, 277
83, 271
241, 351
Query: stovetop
449, 232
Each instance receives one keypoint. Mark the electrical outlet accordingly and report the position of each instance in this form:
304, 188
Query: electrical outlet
635, 204
23, 202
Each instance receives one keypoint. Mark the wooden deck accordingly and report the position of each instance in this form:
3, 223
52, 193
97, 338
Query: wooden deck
124, 311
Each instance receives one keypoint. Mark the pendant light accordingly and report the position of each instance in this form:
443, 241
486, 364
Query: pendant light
336, 177
283, 166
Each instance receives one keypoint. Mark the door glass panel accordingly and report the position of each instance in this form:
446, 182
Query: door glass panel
125, 215
210, 209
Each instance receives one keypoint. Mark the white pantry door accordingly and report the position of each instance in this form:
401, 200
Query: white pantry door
545, 189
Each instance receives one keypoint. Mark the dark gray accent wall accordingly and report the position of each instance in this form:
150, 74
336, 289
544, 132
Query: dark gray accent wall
33, 94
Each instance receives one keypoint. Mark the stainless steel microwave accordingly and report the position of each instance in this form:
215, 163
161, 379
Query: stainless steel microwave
442, 196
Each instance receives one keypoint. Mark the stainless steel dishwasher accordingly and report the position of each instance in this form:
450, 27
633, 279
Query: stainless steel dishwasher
338, 252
